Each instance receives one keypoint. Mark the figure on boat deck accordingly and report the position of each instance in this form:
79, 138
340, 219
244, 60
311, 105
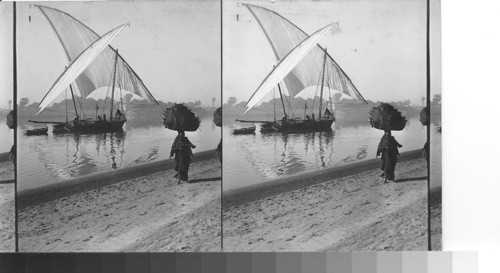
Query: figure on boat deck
181, 150
388, 148
327, 114
118, 114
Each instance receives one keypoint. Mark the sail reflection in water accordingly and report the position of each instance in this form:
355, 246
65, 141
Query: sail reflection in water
55, 158
253, 159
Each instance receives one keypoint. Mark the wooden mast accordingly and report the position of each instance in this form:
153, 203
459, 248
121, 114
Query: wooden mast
330, 96
281, 97
274, 104
74, 103
322, 82
113, 89
282, 103
66, 102
121, 100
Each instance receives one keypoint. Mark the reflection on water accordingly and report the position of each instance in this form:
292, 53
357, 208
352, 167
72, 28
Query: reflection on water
256, 158
57, 157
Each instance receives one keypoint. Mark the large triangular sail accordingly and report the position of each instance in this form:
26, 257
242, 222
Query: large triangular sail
287, 64
284, 36
75, 37
75, 69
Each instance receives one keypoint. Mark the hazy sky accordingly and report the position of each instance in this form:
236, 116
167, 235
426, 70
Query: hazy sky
5, 54
381, 45
173, 46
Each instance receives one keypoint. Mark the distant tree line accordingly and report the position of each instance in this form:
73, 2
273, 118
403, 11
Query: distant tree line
232, 104
128, 101
24, 103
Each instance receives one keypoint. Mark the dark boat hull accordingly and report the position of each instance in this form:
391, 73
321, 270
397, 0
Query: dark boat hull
298, 126
61, 128
89, 126
37, 132
244, 131
97, 126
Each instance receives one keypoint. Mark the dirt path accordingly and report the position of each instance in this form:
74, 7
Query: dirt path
357, 212
122, 215
7, 212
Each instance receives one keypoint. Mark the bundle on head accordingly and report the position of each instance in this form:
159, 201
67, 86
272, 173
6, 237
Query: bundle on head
386, 117
180, 118
218, 117
11, 117
424, 116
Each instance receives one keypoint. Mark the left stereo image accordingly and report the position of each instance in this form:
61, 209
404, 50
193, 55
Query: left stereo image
118, 133
7, 126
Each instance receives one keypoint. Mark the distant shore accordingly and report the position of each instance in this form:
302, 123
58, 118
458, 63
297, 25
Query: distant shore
7, 206
345, 209
139, 209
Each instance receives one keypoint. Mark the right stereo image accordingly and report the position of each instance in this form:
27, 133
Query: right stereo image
331, 126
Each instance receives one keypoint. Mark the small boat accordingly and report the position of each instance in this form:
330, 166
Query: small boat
244, 131
37, 131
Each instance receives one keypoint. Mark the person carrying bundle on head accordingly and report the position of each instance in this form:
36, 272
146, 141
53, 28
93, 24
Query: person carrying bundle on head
388, 148
182, 152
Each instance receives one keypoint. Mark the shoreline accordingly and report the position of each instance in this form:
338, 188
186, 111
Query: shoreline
31, 197
242, 195
147, 213
350, 212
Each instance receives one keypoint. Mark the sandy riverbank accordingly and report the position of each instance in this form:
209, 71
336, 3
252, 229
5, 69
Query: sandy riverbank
7, 209
146, 213
354, 212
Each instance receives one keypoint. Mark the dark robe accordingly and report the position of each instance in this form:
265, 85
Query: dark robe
11, 120
12, 154
218, 152
181, 149
388, 147
425, 151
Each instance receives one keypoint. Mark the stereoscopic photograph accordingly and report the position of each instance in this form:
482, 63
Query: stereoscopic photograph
116, 116
325, 125
116, 132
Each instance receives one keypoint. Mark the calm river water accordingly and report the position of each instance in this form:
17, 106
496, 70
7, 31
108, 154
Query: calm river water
247, 158
50, 159
250, 159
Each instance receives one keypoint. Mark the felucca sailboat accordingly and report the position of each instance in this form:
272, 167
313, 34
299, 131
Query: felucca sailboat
95, 70
302, 64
